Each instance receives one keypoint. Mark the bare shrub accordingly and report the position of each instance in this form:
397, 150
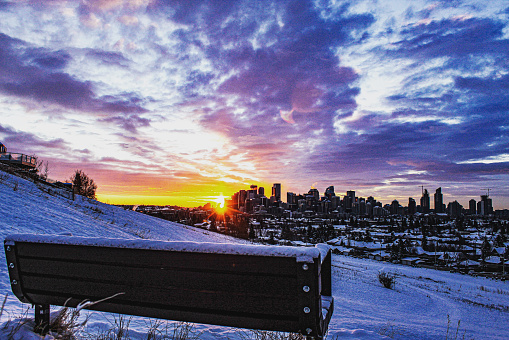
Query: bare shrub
66, 323
3, 305
157, 330
119, 331
386, 279
184, 331
390, 330
268, 335
3, 176
11, 327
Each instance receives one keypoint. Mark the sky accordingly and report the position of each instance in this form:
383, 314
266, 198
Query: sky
175, 102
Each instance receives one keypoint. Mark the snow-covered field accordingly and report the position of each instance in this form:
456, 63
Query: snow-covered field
425, 304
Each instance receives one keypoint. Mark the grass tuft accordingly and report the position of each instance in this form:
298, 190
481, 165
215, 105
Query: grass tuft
386, 279
268, 335
66, 324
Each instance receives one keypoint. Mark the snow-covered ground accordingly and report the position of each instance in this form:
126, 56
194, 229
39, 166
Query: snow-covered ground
425, 304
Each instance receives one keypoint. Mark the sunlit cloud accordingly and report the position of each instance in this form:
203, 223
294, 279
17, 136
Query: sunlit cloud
424, 118
502, 158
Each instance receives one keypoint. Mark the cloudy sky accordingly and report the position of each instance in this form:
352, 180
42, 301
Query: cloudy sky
170, 102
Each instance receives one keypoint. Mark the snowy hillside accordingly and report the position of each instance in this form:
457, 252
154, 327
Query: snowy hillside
425, 304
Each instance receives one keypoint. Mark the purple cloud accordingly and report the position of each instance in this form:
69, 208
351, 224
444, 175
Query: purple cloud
28, 143
129, 123
298, 72
108, 57
453, 38
34, 73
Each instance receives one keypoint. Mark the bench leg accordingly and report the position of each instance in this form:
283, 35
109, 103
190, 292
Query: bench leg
42, 319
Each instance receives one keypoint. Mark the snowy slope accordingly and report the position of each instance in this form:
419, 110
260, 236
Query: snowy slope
24, 208
425, 304
422, 305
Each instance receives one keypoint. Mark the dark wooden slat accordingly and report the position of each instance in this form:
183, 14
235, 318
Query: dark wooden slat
172, 298
162, 277
156, 258
242, 320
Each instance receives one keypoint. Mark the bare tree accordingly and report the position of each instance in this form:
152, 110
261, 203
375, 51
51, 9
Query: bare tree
83, 185
42, 168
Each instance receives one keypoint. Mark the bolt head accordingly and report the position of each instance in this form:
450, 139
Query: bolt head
306, 289
11, 265
307, 310
308, 330
8, 248
305, 266
14, 282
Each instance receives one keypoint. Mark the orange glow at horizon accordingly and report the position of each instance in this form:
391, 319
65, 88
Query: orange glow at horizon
187, 196
114, 187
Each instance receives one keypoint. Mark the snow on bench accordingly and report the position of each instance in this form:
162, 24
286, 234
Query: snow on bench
247, 286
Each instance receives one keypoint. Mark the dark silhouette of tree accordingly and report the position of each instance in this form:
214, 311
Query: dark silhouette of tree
499, 241
485, 249
83, 185
424, 243
252, 234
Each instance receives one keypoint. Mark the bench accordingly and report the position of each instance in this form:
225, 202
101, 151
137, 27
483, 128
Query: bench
273, 288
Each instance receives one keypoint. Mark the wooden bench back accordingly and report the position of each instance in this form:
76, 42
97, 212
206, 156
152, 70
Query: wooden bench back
231, 285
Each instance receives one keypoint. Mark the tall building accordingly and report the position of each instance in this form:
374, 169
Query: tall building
315, 193
362, 207
329, 192
349, 200
335, 202
485, 206
425, 205
241, 198
439, 201
472, 207
252, 192
454, 209
261, 191
412, 206
291, 198
369, 209
489, 205
276, 191
394, 207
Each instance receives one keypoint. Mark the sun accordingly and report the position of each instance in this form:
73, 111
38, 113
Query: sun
221, 205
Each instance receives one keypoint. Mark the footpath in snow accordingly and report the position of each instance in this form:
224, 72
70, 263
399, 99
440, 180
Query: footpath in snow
425, 304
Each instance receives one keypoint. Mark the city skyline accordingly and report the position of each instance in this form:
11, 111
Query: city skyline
254, 199
180, 102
